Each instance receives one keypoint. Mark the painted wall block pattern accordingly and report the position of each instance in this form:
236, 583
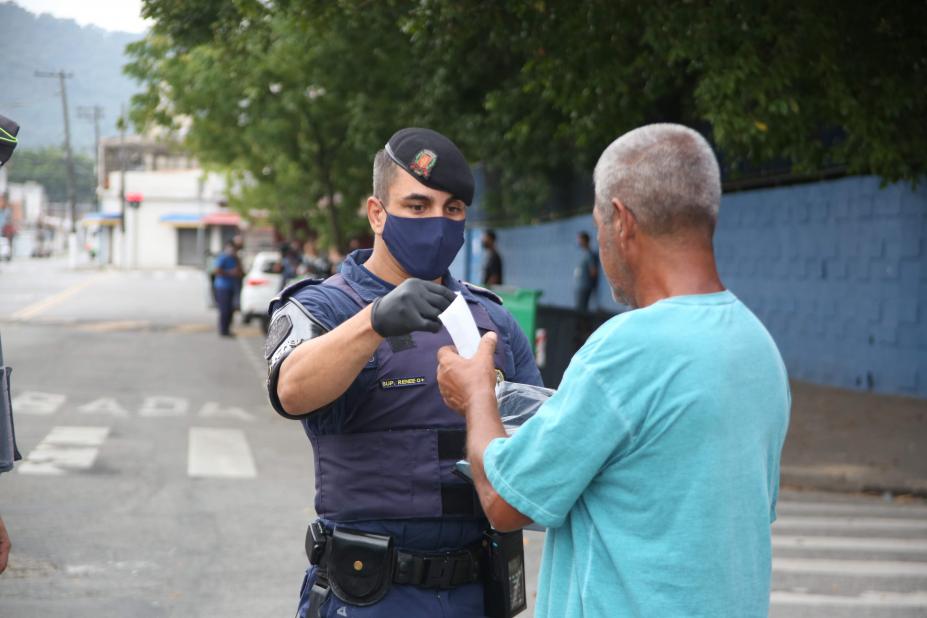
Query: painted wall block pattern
836, 270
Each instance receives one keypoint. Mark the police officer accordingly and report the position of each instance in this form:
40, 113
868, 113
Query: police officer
354, 359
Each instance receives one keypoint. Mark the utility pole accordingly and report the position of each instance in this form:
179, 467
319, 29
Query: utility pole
93, 114
72, 191
121, 123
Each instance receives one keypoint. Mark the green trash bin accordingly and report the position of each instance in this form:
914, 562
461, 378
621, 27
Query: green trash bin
523, 305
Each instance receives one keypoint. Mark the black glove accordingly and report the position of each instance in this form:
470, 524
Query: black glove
413, 305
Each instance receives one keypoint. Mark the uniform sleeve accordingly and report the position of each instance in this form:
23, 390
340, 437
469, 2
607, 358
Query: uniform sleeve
321, 305
546, 466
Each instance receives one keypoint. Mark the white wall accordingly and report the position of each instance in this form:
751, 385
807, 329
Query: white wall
32, 197
152, 243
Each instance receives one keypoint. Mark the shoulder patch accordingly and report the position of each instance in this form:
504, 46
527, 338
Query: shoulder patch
482, 292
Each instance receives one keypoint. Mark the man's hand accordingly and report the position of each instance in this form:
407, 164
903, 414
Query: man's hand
4, 547
461, 380
413, 305
468, 386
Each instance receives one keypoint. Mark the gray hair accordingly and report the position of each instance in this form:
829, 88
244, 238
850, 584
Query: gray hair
665, 174
384, 172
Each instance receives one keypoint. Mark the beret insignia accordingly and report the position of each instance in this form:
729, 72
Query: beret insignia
424, 162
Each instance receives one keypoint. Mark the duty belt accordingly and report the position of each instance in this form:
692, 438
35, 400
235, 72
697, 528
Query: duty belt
441, 570
359, 568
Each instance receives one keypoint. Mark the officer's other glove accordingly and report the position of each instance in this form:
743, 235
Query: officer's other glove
413, 305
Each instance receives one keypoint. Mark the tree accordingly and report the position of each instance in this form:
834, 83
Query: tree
46, 166
295, 96
545, 86
285, 99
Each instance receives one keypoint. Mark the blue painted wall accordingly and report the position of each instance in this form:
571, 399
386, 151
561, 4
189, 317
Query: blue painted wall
837, 271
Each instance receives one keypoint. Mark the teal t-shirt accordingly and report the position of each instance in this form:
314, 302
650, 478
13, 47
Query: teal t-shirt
655, 466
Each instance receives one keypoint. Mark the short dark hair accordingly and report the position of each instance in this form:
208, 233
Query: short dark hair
384, 172
491, 234
584, 236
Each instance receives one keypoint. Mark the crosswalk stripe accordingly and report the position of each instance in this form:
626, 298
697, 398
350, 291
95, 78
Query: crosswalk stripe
65, 449
219, 453
866, 599
850, 523
856, 568
905, 546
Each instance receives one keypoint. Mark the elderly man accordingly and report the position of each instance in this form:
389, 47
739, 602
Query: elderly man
655, 466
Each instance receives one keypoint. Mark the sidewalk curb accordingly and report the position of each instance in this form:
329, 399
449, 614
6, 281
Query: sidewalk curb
849, 484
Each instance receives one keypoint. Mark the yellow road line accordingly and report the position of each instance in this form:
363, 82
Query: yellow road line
30, 311
115, 326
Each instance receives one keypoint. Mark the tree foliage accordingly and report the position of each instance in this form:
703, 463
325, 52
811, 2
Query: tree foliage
47, 167
295, 96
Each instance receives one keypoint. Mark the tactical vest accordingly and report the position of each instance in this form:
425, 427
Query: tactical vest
394, 456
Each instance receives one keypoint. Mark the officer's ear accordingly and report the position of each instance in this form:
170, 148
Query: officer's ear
376, 214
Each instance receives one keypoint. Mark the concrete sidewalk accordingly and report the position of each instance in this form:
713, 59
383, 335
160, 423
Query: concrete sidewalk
843, 440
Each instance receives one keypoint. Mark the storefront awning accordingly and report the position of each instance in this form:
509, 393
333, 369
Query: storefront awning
222, 218
181, 219
101, 218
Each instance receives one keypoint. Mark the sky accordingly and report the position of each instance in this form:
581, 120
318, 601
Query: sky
124, 15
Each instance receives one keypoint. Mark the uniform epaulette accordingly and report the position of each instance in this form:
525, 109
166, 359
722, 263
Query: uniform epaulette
483, 292
292, 289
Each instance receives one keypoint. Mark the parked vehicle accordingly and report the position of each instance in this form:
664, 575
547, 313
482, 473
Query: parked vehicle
260, 285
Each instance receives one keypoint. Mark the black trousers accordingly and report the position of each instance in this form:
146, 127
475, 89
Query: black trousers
225, 301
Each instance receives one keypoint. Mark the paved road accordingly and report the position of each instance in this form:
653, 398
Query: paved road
158, 482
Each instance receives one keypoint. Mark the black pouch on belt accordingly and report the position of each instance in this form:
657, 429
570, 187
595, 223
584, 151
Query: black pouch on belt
504, 574
359, 565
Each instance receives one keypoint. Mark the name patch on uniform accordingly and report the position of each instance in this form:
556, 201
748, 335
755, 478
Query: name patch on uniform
402, 382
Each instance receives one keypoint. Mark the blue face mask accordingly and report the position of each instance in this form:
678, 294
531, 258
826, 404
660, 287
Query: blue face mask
423, 246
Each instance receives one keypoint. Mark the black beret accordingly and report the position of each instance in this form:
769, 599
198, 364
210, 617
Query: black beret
433, 160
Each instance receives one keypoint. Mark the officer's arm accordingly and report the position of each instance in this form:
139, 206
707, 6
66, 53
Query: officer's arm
320, 370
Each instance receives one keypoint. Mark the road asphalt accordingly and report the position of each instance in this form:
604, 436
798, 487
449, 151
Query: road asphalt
158, 482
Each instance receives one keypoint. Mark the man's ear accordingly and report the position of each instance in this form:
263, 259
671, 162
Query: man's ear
623, 219
376, 215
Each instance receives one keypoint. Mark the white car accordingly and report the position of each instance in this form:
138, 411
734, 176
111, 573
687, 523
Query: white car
261, 284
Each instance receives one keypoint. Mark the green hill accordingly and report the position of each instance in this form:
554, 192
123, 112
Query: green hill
30, 43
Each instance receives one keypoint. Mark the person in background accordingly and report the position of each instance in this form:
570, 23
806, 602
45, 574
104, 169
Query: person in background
586, 275
228, 274
313, 264
239, 243
289, 263
655, 465
335, 258
492, 261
